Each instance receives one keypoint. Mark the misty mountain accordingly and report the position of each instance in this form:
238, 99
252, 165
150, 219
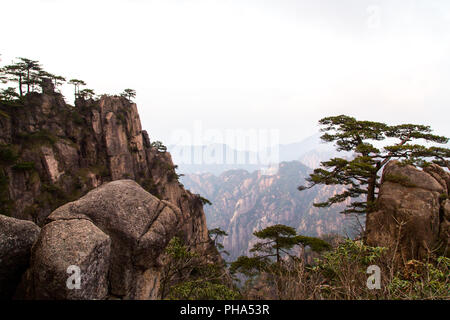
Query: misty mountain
244, 202
219, 158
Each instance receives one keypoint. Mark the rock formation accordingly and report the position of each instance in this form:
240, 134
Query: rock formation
413, 211
52, 153
16, 238
115, 234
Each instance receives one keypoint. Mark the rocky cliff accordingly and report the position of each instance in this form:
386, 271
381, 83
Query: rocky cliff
244, 202
413, 215
52, 153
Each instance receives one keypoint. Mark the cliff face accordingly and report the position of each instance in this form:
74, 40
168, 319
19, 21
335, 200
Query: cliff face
413, 211
52, 153
116, 235
245, 202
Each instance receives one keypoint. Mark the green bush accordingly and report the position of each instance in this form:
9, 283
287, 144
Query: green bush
39, 137
422, 280
23, 166
7, 154
6, 204
202, 290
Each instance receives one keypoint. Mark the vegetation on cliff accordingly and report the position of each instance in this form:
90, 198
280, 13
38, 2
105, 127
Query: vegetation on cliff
52, 153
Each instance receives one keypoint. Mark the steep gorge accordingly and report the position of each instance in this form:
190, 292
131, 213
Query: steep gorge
244, 202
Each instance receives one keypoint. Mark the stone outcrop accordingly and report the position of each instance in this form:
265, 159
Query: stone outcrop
413, 211
16, 239
52, 153
115, 235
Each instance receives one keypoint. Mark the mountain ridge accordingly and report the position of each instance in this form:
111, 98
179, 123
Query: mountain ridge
244, 202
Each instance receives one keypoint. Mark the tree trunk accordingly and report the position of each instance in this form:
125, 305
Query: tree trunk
372, 184
20, 86
278, 251
371, 190
28, 81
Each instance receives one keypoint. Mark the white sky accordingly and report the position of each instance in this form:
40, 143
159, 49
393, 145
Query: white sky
246, 64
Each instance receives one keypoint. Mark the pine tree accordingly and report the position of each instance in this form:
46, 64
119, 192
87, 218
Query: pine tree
278, 240
129, 94
86, 94
77, 83
360, 175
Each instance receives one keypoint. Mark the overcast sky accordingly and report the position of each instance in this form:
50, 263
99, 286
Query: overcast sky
246, 64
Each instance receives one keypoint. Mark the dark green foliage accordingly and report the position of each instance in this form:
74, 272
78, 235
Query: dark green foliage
23, 166
8, 155
121, 118
215, 234
250, 266
6, 204
8, 95
54, 189
39, 137
189, 276
76, 117
204, 201
86, 94
172, 175
77, 83
134, 149
202, 290
279, 240
57, 80
360, 175
158, 145
129, 94
23, 72
402, 180
316, 244
349, 252
443, 197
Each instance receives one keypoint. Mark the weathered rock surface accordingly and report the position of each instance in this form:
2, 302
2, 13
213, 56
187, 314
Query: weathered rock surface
62, 244
16, 239
115, 234
413, 212
53, 153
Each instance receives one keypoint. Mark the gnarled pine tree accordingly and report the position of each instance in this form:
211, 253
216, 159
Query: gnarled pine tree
360, 174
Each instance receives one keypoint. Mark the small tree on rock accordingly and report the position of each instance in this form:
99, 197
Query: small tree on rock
129, 94
277, 242
360, 175
86, 94
77, 83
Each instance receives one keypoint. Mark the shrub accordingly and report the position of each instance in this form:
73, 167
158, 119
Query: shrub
188, 275
202, 290
8, 154
341, 274
23, 166
158, 145
39, 137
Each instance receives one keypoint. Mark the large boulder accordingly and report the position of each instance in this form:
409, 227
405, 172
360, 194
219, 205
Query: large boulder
115, 235
411, 211
16, 238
